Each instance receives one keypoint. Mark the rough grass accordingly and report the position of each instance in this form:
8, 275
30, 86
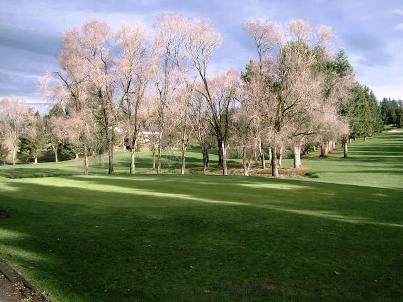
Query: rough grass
336, 236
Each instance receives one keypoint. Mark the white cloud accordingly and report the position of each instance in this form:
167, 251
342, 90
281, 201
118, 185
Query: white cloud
399, 26
398, 12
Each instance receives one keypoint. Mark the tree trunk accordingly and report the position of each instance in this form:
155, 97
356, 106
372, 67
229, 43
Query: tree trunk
76, 157
85, 160
280, 156
159, 150
110, 158
55, 150
297, 155
35, 160
245, 163
183, 159
270, 154
14, 155
153, 159
220, 153
345, 149
365, 138
205, 159
224, 159
262, 157
133, 159
324, 150
330, 146
274, 168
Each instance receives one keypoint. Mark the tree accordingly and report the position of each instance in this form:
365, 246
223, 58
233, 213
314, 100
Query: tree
201, 127
4, 151
249, 76
245, 130
35, 135
167, 59
337, 96
285, 82
14, 119
182, 116
399, 117
57, 129
390, 110
201, 41
364, 113
221, 101
86, 85
133, 75
96, 51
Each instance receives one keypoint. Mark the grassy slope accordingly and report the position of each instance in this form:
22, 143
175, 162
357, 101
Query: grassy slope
195, 238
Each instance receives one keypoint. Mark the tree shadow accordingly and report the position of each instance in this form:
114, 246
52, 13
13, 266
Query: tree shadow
167, 237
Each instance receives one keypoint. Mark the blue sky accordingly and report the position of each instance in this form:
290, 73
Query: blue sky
371, 31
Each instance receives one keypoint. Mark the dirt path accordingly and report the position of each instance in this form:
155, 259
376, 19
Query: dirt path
14, 288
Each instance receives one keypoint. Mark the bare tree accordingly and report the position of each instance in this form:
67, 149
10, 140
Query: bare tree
168, 58
287, 91
133, 75
181, 113
201, 41
14, 119
35, 135
58, 133
223, 91
201, 127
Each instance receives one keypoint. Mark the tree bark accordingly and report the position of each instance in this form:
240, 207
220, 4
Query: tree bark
110, 158
133, 159
224, 159
220, 152
35, 160
270, 154
85, 160
280, 157
345, 149
324, 151
14, 155
274, 167
297, 155
159, 150
245, 163
183, 160
262, 157
205, 159
153, 159
55, 150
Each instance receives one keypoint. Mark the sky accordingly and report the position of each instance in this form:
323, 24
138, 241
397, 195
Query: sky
371, 31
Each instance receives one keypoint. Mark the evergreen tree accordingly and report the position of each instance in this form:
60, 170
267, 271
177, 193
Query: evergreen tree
35, 139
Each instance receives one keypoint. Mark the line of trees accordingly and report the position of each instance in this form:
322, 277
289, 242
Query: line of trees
392, 112
113, 86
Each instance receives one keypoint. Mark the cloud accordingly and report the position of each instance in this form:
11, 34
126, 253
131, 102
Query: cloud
399, 27
398, 12
29, 39
365, 28
370, 48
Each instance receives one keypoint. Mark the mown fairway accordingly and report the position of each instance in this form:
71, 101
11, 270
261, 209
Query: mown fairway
334, 237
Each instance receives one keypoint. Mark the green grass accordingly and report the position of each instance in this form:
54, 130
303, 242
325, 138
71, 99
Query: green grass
334, 236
